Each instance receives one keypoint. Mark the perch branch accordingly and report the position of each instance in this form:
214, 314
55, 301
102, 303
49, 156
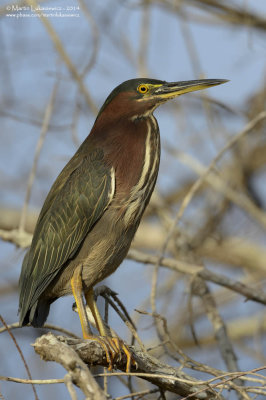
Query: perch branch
71, 352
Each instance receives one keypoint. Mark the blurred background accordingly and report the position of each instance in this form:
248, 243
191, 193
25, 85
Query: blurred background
56, 71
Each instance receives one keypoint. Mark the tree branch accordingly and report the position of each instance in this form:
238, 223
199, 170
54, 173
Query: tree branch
73, 353
52, 348
187, 268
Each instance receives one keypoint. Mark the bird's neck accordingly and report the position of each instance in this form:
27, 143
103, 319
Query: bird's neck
131, 146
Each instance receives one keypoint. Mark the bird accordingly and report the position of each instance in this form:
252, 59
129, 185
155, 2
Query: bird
94, 207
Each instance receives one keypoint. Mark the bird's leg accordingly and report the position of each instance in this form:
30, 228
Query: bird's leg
116, 343
89, 296
77, 289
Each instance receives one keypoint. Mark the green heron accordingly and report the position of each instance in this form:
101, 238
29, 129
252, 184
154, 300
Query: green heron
94, 207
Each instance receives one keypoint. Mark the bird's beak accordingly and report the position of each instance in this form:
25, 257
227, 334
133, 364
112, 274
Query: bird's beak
170, 90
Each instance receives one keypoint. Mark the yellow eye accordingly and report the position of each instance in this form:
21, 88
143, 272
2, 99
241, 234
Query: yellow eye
143, 89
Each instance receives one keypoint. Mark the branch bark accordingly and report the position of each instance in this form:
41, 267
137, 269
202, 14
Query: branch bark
52, 348
187, 268
74, 354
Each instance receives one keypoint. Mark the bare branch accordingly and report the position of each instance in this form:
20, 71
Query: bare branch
64, 56
167, 378
50, 348
21, 355
204, 273
44, 130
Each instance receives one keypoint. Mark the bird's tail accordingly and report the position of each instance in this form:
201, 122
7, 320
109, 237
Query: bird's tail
34, 314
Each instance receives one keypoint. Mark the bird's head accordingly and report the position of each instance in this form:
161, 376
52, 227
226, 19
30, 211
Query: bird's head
136, 98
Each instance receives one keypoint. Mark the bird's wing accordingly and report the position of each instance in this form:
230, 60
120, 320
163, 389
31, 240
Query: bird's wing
78, 198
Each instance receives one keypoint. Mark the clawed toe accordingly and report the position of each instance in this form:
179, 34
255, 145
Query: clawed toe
114, 347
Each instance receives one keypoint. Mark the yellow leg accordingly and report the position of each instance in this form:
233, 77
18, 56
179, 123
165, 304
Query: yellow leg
77, 288
111, 346
89, 296
115, 343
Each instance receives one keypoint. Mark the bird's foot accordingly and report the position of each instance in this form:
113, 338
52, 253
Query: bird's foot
123, 347
113, 347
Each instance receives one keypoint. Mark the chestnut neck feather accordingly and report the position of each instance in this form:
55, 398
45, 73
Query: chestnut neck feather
123, 142
120, 130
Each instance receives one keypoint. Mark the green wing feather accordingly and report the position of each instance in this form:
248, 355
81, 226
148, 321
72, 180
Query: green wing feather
75, 202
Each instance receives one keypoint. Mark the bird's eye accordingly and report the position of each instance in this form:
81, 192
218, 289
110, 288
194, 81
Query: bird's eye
143, 89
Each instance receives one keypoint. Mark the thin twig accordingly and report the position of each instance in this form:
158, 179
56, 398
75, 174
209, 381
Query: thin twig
70, 387
107, 293
186, 268
58, 328
144, 40
200, 288
21, 355
251, 125
44, 130
95, 37
31, 381
64, 56
139, 394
